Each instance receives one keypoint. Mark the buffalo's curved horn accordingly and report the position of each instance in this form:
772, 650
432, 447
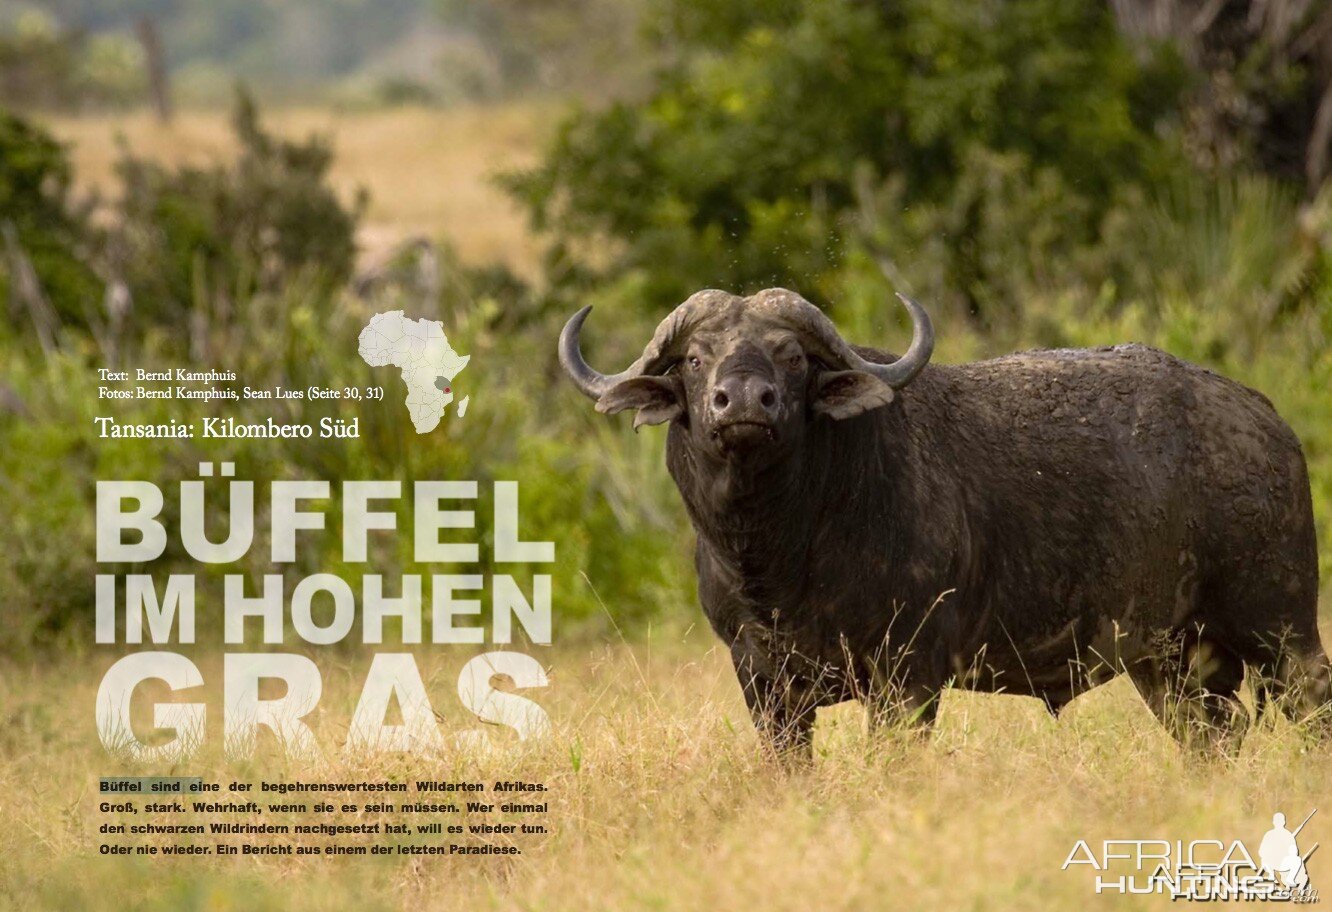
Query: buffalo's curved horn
814, 326
592, 383
904, 369
660, 353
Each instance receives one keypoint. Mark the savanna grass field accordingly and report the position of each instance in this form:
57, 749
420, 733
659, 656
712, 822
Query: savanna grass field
1038, 173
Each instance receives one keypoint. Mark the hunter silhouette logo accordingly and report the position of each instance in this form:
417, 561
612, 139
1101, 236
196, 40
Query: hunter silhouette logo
1204, 870
1280, 855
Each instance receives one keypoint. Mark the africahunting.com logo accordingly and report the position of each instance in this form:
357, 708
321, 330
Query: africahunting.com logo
1203, 870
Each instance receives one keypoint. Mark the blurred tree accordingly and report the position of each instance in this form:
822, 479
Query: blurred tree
585, 46
45, 66
50, 232
778, 126
179, 242
195, 237
1266, 89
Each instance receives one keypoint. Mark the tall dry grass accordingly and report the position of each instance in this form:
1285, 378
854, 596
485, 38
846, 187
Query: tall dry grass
660, 799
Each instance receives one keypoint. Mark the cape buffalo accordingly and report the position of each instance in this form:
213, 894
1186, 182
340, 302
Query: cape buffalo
873, 527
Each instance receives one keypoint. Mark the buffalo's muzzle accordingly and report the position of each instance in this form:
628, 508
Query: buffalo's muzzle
744, 398
744, 435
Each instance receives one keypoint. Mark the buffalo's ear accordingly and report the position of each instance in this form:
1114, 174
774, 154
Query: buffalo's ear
845, 394
658, 399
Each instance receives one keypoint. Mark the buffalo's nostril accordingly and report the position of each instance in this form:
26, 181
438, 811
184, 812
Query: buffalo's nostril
720, 399
768, 398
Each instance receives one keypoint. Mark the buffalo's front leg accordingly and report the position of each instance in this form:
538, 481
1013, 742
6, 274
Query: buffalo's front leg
783, 709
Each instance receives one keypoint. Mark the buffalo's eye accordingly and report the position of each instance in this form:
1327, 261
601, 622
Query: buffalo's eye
694, 363
795, 360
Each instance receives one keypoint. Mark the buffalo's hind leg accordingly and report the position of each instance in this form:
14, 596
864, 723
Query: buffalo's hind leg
1298, 681
903, 692
907, 705
1191, 684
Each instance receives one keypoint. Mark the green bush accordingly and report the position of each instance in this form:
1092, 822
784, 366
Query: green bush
182, 241
750, 162
192, 237
49, 230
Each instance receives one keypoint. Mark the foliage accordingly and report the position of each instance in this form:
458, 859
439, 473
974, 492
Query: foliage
178, 240
1264, 91
747, 164
210, 235
52, 233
